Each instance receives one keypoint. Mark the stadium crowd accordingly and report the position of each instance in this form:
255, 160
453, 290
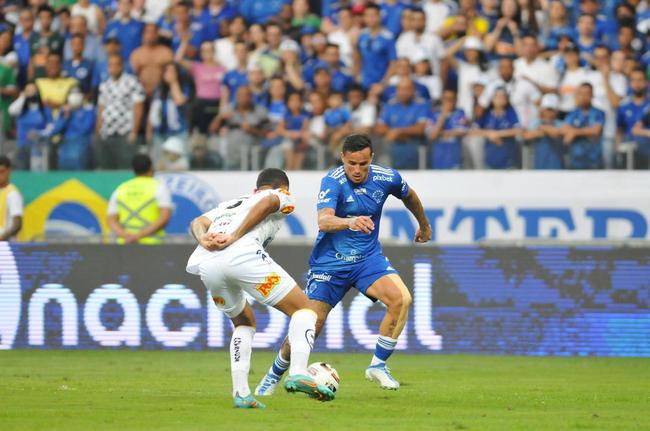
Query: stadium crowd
246, 84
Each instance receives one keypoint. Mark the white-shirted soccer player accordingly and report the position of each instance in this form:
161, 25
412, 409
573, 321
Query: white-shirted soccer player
231, 260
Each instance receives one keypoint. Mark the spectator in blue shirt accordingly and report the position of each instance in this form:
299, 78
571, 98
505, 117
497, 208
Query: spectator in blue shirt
260, 11
21, 44
391, 15
92, 44
641, 134
274, 157
585, 38
403, 69
125, 28
632, 108
445, 130
337, 119
79, 67
500, 127
239, 76
76, 121
219, 12
402, 123
331, 58
295, 130
32, 116
558, 25
168, 111
181, 29
545, 135
583, 132
375, 50
199, 19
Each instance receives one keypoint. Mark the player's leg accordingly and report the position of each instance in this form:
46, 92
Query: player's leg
230, 300
302, 327
284, 358
390, 290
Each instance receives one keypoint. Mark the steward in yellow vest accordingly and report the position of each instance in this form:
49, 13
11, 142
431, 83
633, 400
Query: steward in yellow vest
140, 208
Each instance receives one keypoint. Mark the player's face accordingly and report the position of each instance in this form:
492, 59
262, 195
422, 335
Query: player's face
357, 165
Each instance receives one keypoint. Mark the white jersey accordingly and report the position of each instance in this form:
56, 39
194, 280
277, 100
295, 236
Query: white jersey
228, 216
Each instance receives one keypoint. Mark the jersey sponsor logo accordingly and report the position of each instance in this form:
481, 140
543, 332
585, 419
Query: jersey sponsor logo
350, 259
322, 197
386, 178
268, 284
361, 191
321, 276
285, 191
288, 209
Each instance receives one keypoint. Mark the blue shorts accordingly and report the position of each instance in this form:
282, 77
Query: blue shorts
330, 286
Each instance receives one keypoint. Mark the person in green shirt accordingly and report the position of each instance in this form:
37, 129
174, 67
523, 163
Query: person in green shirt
47, 36
59, 4
302, 17
8, 91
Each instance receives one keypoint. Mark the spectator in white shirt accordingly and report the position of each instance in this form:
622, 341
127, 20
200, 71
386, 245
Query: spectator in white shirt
415, 43
610, 87
224, 48
573, 76
535, 68
436, 11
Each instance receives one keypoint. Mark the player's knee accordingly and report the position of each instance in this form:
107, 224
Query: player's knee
399, 301
407, 299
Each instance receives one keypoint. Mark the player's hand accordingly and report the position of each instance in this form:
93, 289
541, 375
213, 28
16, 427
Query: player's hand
361, 223
208, 242
223, 240
130, 238
423, 234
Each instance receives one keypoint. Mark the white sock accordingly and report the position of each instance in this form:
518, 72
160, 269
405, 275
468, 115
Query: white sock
302, 329
241, 347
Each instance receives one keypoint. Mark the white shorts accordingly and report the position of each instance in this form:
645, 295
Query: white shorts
246, 268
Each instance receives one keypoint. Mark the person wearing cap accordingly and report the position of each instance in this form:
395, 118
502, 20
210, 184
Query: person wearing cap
417, 44
173, 157
445, 130
290, 66
469, 69
582, 131
375, 50
545, 135
140, 208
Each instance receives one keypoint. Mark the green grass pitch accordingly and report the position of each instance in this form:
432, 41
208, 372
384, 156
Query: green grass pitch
128, 390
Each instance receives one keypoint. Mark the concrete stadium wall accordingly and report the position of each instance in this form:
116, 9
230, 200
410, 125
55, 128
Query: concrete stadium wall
591, 300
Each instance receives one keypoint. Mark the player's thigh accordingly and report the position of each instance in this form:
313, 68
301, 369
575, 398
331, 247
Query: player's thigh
391, 290
263, 278
226, 295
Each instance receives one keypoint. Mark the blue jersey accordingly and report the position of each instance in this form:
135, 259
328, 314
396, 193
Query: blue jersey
295, 122
233, 80
260, 11
338, 250
585, 153
391, 16
337, 117
376, 54
212, 22
421, 91
549, 152
628, 115
506, 155
128, 33
82, 71
446, 153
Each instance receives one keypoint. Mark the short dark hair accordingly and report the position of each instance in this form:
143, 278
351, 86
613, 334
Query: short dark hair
46, 8
273, 177
357, 87
373, 6
356, 142
141, 164
5, 161
587, 85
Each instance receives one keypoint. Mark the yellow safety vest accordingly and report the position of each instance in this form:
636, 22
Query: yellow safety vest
137, 207
4, 192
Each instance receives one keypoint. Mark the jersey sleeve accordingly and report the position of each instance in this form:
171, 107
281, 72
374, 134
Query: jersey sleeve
328, 194
398, 187
163, 196
112, 204
15, 204
287, 203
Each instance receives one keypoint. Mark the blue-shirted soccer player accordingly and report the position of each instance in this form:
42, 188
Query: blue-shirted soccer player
348, 254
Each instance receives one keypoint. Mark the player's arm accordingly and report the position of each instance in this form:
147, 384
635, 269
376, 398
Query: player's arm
414, 205
16, 225
329, 222
199, 228
265, 207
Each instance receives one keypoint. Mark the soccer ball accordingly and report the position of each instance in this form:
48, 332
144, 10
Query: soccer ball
325, 375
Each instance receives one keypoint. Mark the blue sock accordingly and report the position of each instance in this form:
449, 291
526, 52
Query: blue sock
280, 366
384, 348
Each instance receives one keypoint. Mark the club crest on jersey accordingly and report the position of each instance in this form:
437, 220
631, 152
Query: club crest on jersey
377, 196
268, 284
